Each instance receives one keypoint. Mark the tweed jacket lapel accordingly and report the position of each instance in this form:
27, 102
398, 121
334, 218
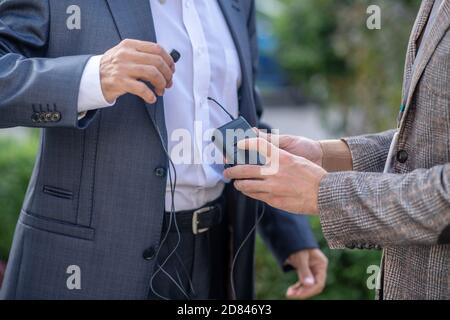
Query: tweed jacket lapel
415, 67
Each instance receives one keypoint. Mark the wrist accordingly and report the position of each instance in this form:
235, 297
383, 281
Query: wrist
91, 95
319, 152
336, 156
107, 84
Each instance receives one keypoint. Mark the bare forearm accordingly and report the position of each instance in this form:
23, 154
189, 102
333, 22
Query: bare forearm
336, 156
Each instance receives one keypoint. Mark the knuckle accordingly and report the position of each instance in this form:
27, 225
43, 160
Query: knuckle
157, 48
152, 70
142, 89
122, 53
159, 62
117, 58
283, 158
125, 42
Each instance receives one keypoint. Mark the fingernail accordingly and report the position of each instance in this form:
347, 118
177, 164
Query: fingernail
308, 281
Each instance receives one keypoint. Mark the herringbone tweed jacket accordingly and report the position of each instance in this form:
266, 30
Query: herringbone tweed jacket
407, 211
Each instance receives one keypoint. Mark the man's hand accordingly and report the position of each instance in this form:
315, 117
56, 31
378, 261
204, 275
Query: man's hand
124, 68
311, 266
299, 146
294, 186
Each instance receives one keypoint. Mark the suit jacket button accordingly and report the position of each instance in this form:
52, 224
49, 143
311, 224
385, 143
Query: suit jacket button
48, 116
56, 116
149, 253
35, 117
42, 117
402, 156
160, 172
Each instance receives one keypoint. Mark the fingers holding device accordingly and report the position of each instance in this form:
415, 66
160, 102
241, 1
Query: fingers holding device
125, 68
293, 186
227, 137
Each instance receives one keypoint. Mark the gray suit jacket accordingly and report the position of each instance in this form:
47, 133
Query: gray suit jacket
96, 197
407, 212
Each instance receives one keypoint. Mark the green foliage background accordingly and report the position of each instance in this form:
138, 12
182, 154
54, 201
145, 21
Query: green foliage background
357, 73
16, 163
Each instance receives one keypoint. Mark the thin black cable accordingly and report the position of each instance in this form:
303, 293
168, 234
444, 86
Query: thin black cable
175, 56
222, 107
172, 218
233, 289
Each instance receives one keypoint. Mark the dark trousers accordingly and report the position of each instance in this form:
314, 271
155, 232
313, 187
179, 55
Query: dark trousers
197, 269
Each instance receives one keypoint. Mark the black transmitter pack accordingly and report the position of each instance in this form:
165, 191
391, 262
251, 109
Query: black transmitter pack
227, 137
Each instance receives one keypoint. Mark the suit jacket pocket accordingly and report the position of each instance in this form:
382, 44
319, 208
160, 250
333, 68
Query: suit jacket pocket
58, 192
56, 226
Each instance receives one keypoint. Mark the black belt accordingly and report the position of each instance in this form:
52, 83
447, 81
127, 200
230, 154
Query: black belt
199, 220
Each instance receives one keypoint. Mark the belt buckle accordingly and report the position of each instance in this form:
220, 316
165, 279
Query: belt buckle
195, 222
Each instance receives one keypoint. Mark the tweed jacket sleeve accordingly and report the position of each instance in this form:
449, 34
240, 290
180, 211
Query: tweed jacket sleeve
369, 152
371, 210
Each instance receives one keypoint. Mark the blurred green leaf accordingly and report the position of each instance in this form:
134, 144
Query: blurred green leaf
327, 50
16, 163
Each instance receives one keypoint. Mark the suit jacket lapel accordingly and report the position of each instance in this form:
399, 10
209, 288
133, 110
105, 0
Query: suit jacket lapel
232, 12
440, 27
134, 20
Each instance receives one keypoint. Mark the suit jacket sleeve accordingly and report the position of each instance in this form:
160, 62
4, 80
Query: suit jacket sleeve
369, 152
284, 233
370, 210
35, 91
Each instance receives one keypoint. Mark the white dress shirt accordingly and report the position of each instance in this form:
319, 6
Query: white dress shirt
209, 67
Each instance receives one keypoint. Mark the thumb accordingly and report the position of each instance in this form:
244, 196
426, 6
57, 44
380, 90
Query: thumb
305, 274
259, 145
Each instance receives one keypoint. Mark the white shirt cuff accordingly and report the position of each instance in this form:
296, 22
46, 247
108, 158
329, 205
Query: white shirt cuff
90, 96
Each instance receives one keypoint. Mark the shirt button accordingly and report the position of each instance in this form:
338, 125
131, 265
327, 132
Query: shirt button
402, 156
187, 4
160, 172
149, 253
